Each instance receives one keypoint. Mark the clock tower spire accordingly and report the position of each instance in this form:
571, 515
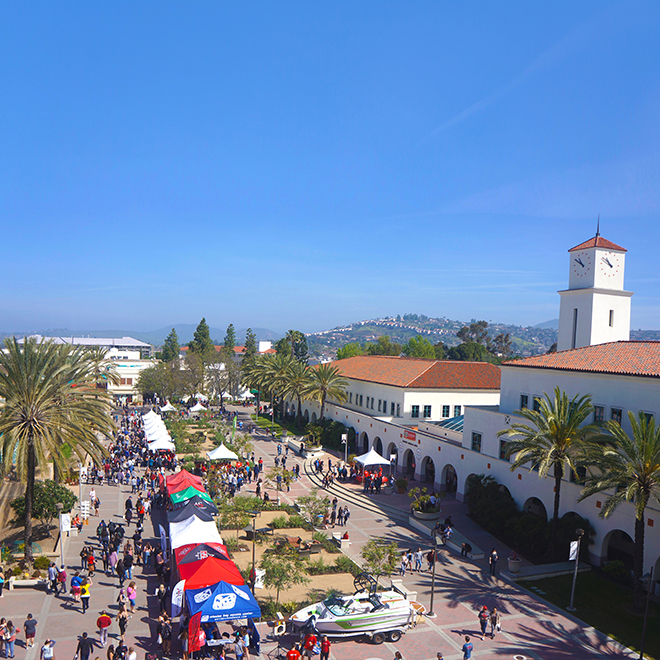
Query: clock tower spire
594, 309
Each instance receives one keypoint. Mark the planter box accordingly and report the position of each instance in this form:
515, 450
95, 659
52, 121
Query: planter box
421, 515
514, 565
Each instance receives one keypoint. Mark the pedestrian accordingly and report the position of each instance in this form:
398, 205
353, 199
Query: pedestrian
439, 655
85, 593
52, 577
121, 573
131, 594
165, 633
2, 582
309, 644
76, 581
61, 580
10, 639
294, 653
484, 617
111, 652
325, 648
347, 514
161, 592
466, 549
495, 623
467, 648
47, 650
84, 648
122, 622
430, 558
398, 656
492, 560
30, 628
132, 655
419, 556
103, 623
239, 648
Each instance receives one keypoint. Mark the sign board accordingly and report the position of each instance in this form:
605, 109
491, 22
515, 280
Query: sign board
260, 574
573, 553
409, 435
344, 438
65, 522
84, 509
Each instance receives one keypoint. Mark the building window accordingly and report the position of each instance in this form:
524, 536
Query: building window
392, 409
398, 410
649, 416
414, 411
537, 404
129, 381
503, 456
599, 414
574, 334
380, 403
360, 399
617, 415
445, 411
384, 407
427, 412
611, 318
524, 402
581, 475
457, 411
476, 441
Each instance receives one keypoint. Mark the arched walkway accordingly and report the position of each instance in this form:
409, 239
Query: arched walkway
313, 418
306, 416
363, 445
535, 506
409, 463
617, 545
449, 479
378, 445
428, 470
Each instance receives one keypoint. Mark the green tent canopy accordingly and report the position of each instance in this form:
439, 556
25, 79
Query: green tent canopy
188, 494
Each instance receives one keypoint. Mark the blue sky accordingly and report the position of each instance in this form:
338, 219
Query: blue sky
304, 165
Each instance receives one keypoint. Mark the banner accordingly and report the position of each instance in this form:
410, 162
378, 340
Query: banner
573, 554
193, 633
260, 575
163, 540
177, 598
65, 522
233, 428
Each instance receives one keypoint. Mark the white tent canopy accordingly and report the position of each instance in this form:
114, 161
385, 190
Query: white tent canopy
161, 443
221, 453
197, 408
193, 530
372, 457
168, 407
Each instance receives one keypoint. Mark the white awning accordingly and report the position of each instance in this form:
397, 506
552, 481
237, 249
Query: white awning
372, 457
195, 531
221, 453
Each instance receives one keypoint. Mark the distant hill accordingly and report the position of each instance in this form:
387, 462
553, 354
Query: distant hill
548, 325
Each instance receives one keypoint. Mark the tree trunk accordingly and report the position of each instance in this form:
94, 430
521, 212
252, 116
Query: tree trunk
299, 417
638, 566
29, 497
56, 473
322, 407
555, 511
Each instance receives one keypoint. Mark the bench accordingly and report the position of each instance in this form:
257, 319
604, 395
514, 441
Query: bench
257, 532
342, 543
30, 582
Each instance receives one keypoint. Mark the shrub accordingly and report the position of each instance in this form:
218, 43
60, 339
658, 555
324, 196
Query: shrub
16, 571
345, 564
617, 572
232, 544
318, 567
36, 574
401, 483
325, 542
42, 563
281, 522
299, 521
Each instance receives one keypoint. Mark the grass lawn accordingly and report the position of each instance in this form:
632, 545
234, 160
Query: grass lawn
602, 604
264, 422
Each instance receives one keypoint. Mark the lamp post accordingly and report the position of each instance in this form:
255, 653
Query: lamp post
60, 506
431, 614
80, 473
254, 515
344, 441
646, 613
580, 533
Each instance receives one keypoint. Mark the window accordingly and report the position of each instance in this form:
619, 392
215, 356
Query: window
537, 404
581, 476
398, 410
503, 456
611, 318
617, 415
476, 441
648, 415
445, 411
350, 397
457, 411
385, 407
380, 403
427, 411
360, 399
599, 414
524, 401
414, 411
129, 381
392, 409
575, 321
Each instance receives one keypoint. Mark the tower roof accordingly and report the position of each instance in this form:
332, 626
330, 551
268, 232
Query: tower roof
598, 242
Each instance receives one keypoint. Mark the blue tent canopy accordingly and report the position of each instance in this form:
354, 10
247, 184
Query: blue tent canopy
222, 602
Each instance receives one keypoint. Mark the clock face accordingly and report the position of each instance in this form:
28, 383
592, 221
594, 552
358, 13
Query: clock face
581, 264
609, 264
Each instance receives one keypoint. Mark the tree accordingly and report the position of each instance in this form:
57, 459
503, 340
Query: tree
350, 350
230, 339
419, 347
469, 351
312, 507
326, 381
502, 345
380, 558
250, 346
297, 381
201, 343
47, 494
384, 346
171, 347
555, 439
298, 343
439, 351
283, 570
629, 468
51, 400
477, 332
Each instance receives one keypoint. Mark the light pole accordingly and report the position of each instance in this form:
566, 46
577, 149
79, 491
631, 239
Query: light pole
646, 613
60, 506
431, 614
344, 441
580, 533
80, 473
254, 515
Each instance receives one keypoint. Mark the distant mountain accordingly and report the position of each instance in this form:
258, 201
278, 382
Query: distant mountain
548, 325
185, 331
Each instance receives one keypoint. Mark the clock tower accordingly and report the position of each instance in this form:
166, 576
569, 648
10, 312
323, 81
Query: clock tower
594, 309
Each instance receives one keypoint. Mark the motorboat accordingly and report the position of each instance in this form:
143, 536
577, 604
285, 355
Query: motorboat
378, 614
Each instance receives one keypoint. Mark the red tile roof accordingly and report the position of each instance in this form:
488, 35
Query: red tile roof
631, 358
420, 373
599, 242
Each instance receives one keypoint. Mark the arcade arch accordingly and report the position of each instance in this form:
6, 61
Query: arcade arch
428, 470
449, 479
378, 445
535, 506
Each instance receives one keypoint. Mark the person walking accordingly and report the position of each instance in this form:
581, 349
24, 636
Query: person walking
52, 577
85, 593
484, 618
61, 581
10, 639
122, 622
76, 582
325, 648
495, 623
47, 650
131, 594
84, 648
165, 632
30, 628
467, 648
492, 561
103, 623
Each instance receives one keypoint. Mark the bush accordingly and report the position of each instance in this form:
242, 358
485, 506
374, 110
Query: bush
36, 574
401, 483
318, 567
42, 563
345, 564
281, 522
16, 571
232, 544
617, 572
325, 542
298, 521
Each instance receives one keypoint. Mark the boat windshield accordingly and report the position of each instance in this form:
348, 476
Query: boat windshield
337, 605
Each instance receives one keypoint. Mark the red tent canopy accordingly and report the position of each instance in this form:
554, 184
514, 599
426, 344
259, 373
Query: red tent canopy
210, 571
182, 480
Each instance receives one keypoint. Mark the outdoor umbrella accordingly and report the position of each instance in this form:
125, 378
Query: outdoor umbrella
209, 571
222, 602
193, 552
188, 493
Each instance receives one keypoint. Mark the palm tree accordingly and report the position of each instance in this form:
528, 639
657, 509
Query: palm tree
630, 468
326, 381
51, 401
555, 440
268, 373
297, 381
